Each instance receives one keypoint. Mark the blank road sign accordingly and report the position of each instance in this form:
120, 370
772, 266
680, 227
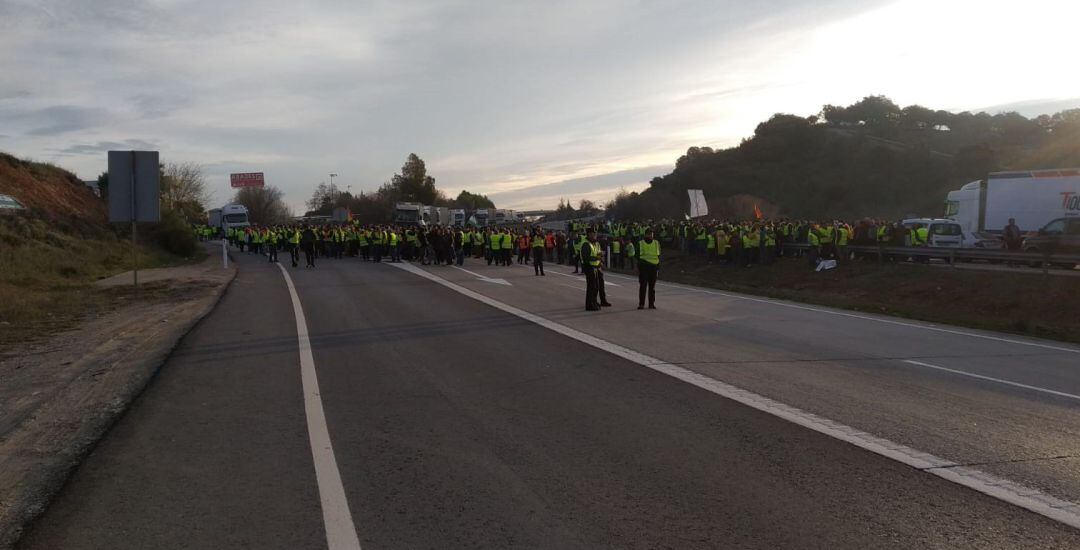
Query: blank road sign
138, 173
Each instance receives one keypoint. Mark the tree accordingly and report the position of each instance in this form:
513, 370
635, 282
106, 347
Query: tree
587, 208
183, 190
321, 201
265, 204
103, 185
413, 184
472, 201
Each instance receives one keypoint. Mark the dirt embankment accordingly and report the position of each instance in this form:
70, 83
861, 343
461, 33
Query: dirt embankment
52, 194
52, 252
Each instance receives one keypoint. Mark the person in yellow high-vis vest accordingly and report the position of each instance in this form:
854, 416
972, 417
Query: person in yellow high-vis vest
294, 245
594, 274
538, 252
648, 253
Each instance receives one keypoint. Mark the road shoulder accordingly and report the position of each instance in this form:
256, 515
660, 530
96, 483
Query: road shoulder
62, 395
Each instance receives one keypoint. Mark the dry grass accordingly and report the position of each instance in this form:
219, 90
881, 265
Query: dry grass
47, 276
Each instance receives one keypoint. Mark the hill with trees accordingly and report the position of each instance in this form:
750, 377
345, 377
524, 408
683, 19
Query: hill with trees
871, 158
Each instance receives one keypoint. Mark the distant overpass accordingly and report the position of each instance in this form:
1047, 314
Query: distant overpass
536, 213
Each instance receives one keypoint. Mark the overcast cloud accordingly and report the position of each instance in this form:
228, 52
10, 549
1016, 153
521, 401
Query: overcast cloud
499, 97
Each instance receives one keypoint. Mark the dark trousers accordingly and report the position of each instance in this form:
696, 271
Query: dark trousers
294, 254
538, 260
309, 253
646, 282
271, 249
594, 287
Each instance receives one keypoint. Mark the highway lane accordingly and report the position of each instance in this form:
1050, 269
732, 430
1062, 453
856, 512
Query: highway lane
455, 424
215, 453
844, 366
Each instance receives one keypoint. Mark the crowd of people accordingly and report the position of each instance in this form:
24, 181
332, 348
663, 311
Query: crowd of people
588, 247
745, 243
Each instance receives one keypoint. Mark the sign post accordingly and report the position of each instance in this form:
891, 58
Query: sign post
140, 169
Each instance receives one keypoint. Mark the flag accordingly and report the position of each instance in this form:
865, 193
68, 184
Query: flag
757, 212
698, 206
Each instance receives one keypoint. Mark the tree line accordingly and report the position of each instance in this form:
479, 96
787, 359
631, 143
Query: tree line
412, 184
871, 158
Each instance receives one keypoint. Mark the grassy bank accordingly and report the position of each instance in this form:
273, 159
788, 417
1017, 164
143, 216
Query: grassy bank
47, 274
1021, 303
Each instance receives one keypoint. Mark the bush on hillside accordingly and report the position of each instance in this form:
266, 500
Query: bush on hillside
174, 235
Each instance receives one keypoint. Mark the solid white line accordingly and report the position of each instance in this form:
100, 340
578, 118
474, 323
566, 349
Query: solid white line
1024, 497
340, 530
992, 379
929, 327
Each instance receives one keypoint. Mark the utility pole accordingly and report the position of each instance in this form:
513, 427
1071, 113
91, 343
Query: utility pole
333, 190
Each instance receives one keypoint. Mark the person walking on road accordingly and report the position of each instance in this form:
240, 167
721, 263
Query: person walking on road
294, 246
539, 249
594, 276
648, 252
307, 244
273, 248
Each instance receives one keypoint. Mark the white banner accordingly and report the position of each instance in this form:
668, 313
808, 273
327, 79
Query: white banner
698, 207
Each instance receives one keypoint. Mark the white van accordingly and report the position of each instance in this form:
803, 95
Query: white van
941, 232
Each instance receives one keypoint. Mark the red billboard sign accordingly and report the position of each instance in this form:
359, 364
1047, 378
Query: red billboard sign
251, 179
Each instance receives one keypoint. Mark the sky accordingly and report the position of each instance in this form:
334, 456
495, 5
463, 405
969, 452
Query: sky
526, 101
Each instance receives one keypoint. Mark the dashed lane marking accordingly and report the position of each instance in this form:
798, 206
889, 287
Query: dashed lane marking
992, 379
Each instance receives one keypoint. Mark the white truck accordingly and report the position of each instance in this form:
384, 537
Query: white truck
435, 215
228, 217
458, 217
408, 213
1033, 198
483, 217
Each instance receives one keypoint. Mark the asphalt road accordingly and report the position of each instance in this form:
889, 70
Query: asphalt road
458, 424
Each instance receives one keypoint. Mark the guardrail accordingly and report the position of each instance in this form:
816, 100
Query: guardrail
952, 255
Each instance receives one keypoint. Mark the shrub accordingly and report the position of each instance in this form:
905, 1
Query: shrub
174, 235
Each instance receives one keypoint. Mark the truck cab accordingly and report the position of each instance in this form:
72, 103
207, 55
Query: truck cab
234, 216
408, 213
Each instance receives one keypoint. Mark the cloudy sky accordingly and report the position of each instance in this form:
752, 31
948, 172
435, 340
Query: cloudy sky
528, 101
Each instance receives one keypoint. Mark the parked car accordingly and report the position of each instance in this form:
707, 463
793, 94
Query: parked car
1060, 236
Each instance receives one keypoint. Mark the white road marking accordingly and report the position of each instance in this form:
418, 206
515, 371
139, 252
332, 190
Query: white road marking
927, 326
1027, 498
483, 278
340, 530
572, 276
992, 379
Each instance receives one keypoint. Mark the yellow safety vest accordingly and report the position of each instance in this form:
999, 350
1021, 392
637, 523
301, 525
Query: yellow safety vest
649, 252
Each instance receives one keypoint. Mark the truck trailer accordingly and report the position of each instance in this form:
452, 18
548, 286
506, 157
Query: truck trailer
1033, 198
